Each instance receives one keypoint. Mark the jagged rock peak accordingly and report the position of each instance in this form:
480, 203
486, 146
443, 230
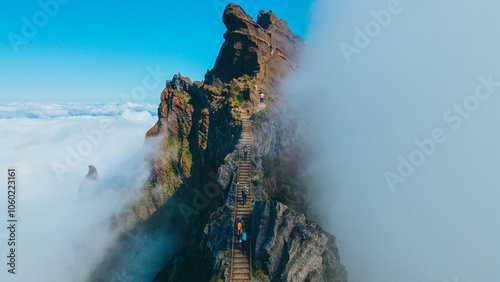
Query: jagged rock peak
181, 82
92, 174
266, 51
234, 17
266, 19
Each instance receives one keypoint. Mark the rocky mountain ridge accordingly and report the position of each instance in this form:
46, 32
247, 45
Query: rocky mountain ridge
193, 179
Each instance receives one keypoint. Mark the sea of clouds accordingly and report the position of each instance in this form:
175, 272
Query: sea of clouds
62, 233
52, 110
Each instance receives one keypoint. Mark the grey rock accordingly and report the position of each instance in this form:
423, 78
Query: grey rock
293, 248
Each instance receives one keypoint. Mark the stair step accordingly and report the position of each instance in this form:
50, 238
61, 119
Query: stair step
241, 270
241, 260
243, 212
244, 265
241, 277
243, 208
239, 256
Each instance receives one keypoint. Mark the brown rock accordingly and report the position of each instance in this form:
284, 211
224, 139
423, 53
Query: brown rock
247, 51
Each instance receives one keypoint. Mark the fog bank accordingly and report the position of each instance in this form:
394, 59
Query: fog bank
62, 234
401, 99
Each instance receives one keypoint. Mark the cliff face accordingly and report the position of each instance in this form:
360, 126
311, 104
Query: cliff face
293, 248
194, 136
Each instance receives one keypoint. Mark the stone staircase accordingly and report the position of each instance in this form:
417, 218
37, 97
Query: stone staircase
241, 264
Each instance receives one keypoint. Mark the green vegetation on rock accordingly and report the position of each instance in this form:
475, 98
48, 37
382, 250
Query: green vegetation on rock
259, 117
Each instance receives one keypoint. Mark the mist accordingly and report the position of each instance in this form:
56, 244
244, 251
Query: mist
401, 103
63, 233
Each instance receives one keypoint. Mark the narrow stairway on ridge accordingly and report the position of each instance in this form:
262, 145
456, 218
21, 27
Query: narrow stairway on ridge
241, 262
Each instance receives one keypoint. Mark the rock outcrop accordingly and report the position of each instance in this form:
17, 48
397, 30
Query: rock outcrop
247, 51
92, 174
88, 183
293, 248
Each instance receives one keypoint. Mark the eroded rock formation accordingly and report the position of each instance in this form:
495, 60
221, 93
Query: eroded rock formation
293, 248
247, 51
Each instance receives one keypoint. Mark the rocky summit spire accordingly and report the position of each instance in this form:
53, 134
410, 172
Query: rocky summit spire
255, 49
92, 174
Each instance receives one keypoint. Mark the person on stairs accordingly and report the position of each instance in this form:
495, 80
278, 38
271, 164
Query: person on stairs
245, 151
244, 242
244, 195
261, 97
239, 226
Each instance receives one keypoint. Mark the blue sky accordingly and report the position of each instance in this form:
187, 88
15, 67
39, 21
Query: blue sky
98, 51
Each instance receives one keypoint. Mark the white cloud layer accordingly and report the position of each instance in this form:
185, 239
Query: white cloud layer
52, 110
62, 233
